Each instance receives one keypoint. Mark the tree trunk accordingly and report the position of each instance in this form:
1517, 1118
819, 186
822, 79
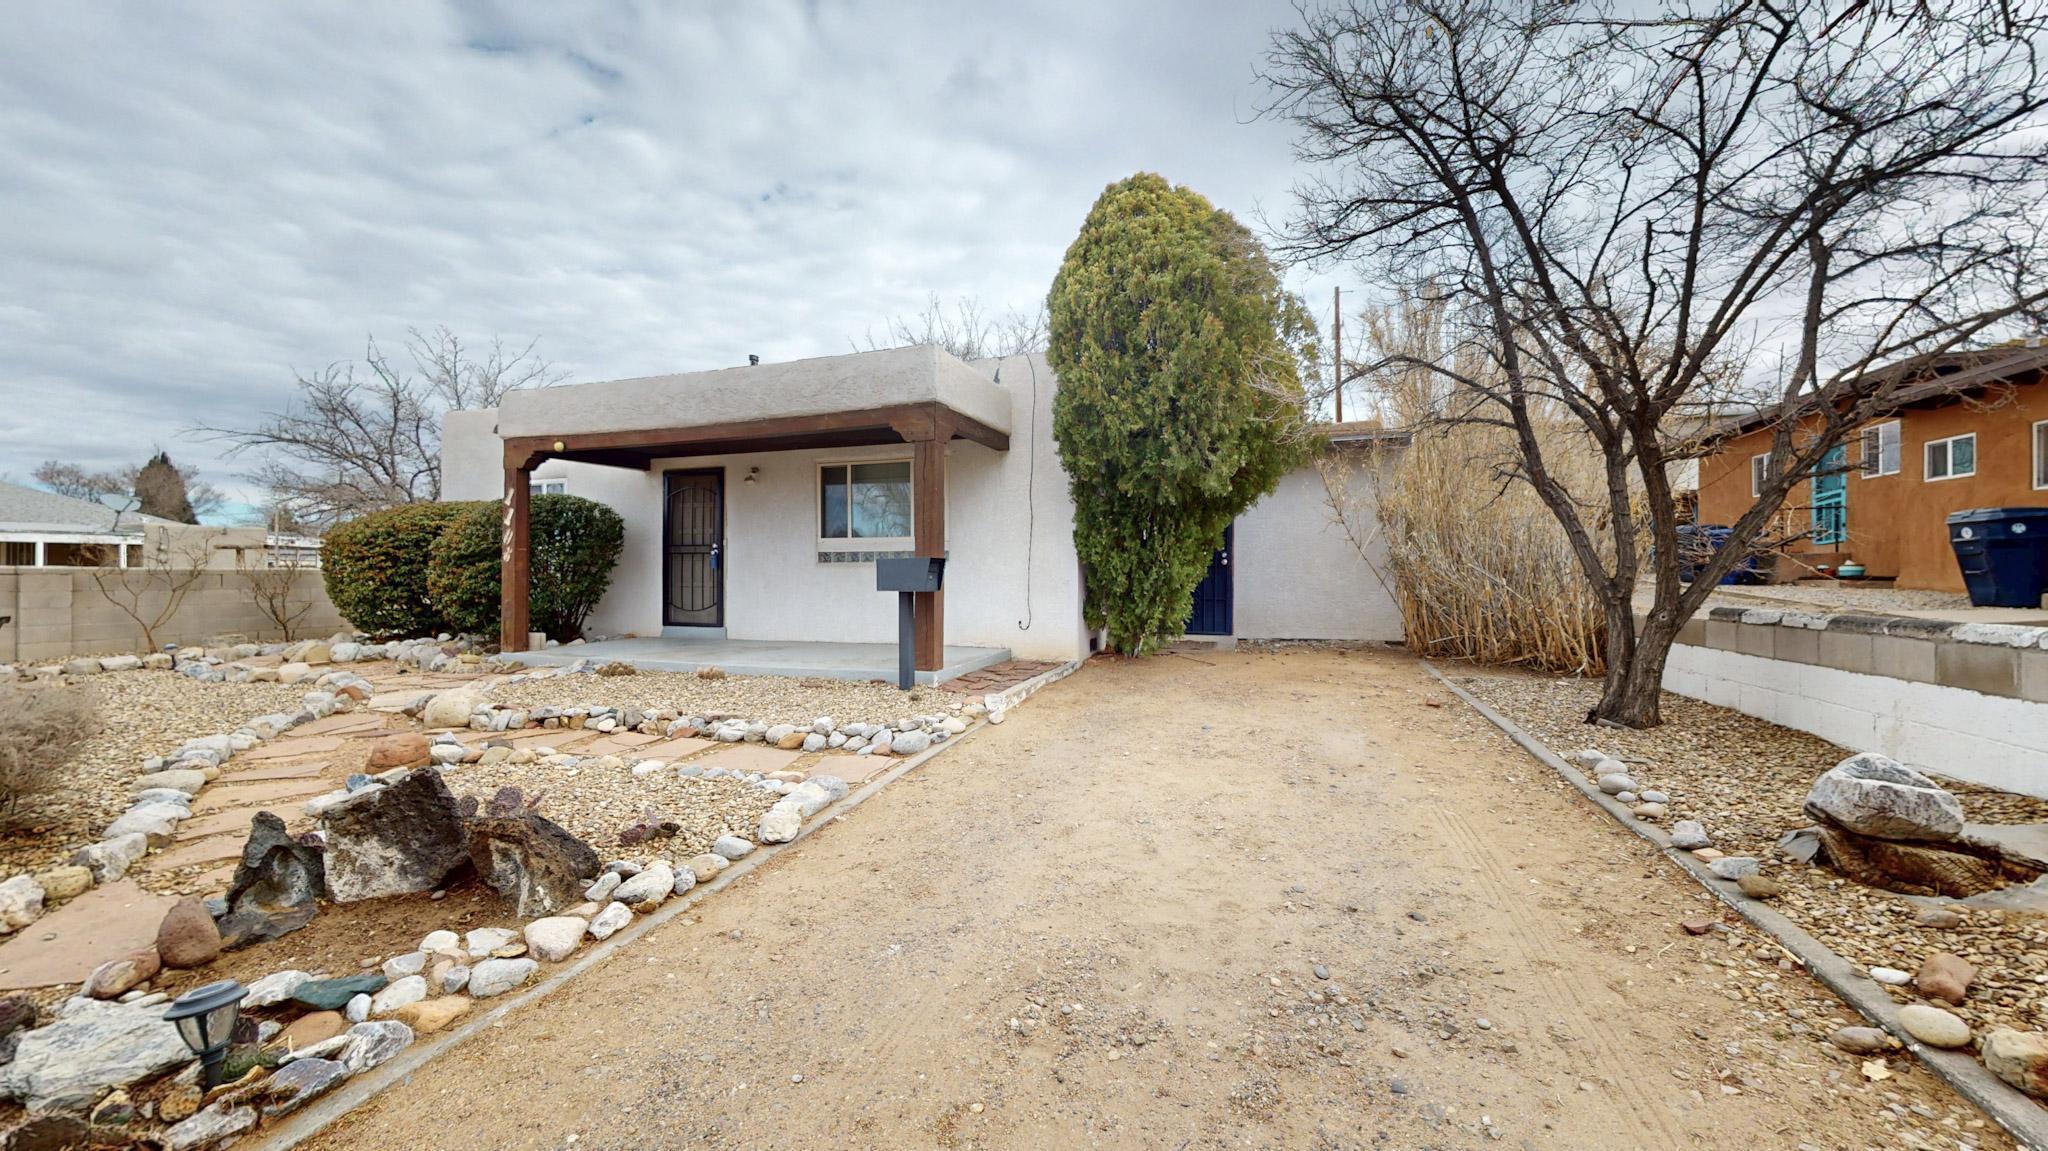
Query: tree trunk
1631, 694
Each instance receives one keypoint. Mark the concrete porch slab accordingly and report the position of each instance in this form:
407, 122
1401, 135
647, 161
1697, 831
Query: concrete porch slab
856, 661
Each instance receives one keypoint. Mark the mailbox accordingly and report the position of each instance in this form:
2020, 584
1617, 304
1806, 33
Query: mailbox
908, 576
909, 573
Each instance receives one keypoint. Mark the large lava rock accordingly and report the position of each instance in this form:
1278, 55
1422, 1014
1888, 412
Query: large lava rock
404, 837
532, 860
1884, 799
275, 887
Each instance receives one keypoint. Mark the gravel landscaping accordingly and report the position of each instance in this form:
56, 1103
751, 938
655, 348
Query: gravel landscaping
145, 713
770, 699
1745, 780
595, 801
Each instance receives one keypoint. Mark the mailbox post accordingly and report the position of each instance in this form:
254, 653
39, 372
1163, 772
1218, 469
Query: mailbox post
908, 576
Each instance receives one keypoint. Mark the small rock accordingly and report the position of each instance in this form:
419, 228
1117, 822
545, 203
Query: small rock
67, 882
1890, 976
485, 940
309, 1029
1863, 1040
1759, 886
1733, 866
334, 994
2020, 1058
401, 993
610, 920
274, 988
187, 936
116, 977
494, 977
732, 847
1945, 976
214, 1125
1933, 1026
553, 939
431, 1015
358, 1009
1937, 917
402, 750
1697, 926
1688, 834
400, 966
1616, 783
372, 1043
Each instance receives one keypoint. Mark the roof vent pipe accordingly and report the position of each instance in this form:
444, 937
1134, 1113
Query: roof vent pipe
753, 360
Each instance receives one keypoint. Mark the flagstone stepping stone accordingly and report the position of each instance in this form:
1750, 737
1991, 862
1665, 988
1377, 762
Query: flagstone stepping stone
346, 723
334, 994
282, 769
675, 748
211, 849
742, 758
290, 746
112, 919
281, 793
621, 742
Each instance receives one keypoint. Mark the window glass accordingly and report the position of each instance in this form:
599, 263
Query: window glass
18, 553
1962, 456
1881, 449
832, 503
2041, 454
881, 500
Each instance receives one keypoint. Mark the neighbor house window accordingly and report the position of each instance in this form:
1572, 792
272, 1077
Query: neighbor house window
551, 487
2041, 454
1952, 458
1759, 473
869, 502
18, 553
1881, 449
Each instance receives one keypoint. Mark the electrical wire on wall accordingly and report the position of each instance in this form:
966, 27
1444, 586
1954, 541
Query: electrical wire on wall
1030, 496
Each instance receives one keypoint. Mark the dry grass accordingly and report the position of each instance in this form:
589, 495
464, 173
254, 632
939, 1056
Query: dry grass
1480, 566
40, 727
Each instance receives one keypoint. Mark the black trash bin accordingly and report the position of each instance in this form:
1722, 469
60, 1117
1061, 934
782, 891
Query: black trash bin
2003, 553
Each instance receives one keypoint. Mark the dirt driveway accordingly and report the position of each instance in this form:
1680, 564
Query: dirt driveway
1298, 900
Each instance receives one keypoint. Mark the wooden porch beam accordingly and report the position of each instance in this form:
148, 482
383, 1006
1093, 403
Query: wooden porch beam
928, 538
895, 423
514, 570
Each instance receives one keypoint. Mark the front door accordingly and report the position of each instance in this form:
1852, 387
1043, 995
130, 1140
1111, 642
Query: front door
693, 535
1830, 525
1211, 612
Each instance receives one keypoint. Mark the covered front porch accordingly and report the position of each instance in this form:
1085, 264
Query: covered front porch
734, 465
854, 661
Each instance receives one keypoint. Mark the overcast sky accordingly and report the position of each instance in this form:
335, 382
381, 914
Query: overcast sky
199, 199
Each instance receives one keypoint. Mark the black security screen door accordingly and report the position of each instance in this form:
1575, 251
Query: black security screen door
1211, 613
693, 552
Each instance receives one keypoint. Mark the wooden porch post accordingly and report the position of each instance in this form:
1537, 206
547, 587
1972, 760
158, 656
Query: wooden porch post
513, 560
928, 538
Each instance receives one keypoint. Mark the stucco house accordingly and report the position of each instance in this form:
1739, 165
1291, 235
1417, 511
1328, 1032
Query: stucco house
756, 500
1970, 431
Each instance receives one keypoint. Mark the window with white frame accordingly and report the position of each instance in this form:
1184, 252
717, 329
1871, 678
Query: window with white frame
1759, 473
2041, 455
550, 487
1951, 458
1881, 449
869, 502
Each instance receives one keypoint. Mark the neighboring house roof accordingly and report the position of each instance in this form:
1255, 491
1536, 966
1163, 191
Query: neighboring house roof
1364, 431
25, 509
1930, 379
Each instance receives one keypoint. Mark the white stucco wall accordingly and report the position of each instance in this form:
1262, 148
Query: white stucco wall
1297, 574
1010, 532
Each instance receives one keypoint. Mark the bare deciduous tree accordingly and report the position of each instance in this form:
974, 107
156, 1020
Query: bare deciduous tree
152, 591
966, 331
359, 440
1619, 206
272, 581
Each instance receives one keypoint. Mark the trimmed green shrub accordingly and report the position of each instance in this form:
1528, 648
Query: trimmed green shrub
1180, 398
575, 546
375, 568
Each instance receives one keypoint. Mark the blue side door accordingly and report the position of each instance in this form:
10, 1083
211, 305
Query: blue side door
1210, 614
1831, 498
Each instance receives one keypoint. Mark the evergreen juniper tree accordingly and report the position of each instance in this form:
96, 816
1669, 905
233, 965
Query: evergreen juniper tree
1180, 398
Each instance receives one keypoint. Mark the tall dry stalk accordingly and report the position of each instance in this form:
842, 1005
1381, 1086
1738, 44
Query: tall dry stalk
1479, 565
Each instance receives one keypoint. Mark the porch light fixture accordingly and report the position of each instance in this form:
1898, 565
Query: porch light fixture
205, 1018
751, 473
558, 445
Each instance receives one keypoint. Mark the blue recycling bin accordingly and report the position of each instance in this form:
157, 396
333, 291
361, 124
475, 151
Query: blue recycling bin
2003, 553
1698, 542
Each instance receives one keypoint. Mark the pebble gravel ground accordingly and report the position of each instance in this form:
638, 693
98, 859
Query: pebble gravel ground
143, 713
596, 802
769, 699
1745, 780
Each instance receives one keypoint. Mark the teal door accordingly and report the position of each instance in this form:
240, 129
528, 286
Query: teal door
1831, 498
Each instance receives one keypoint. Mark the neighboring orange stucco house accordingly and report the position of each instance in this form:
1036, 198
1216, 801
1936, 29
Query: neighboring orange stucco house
1973, 436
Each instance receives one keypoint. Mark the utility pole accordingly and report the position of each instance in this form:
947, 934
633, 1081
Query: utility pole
1337, 353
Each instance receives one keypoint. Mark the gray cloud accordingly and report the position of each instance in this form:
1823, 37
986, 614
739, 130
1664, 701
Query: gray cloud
199, 201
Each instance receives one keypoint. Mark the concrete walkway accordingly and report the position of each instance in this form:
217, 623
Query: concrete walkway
857, 661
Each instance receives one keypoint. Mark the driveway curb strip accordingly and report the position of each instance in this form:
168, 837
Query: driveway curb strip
2021, 1117
324, 1112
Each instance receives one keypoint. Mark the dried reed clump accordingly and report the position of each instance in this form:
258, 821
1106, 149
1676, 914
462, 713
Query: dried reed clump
41, 727
1482, 570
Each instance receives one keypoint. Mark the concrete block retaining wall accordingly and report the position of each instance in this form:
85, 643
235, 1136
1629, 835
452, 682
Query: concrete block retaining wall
1969, 701
57, 612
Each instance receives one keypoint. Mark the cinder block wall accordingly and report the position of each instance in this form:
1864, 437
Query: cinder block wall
1968, 701
54, 613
